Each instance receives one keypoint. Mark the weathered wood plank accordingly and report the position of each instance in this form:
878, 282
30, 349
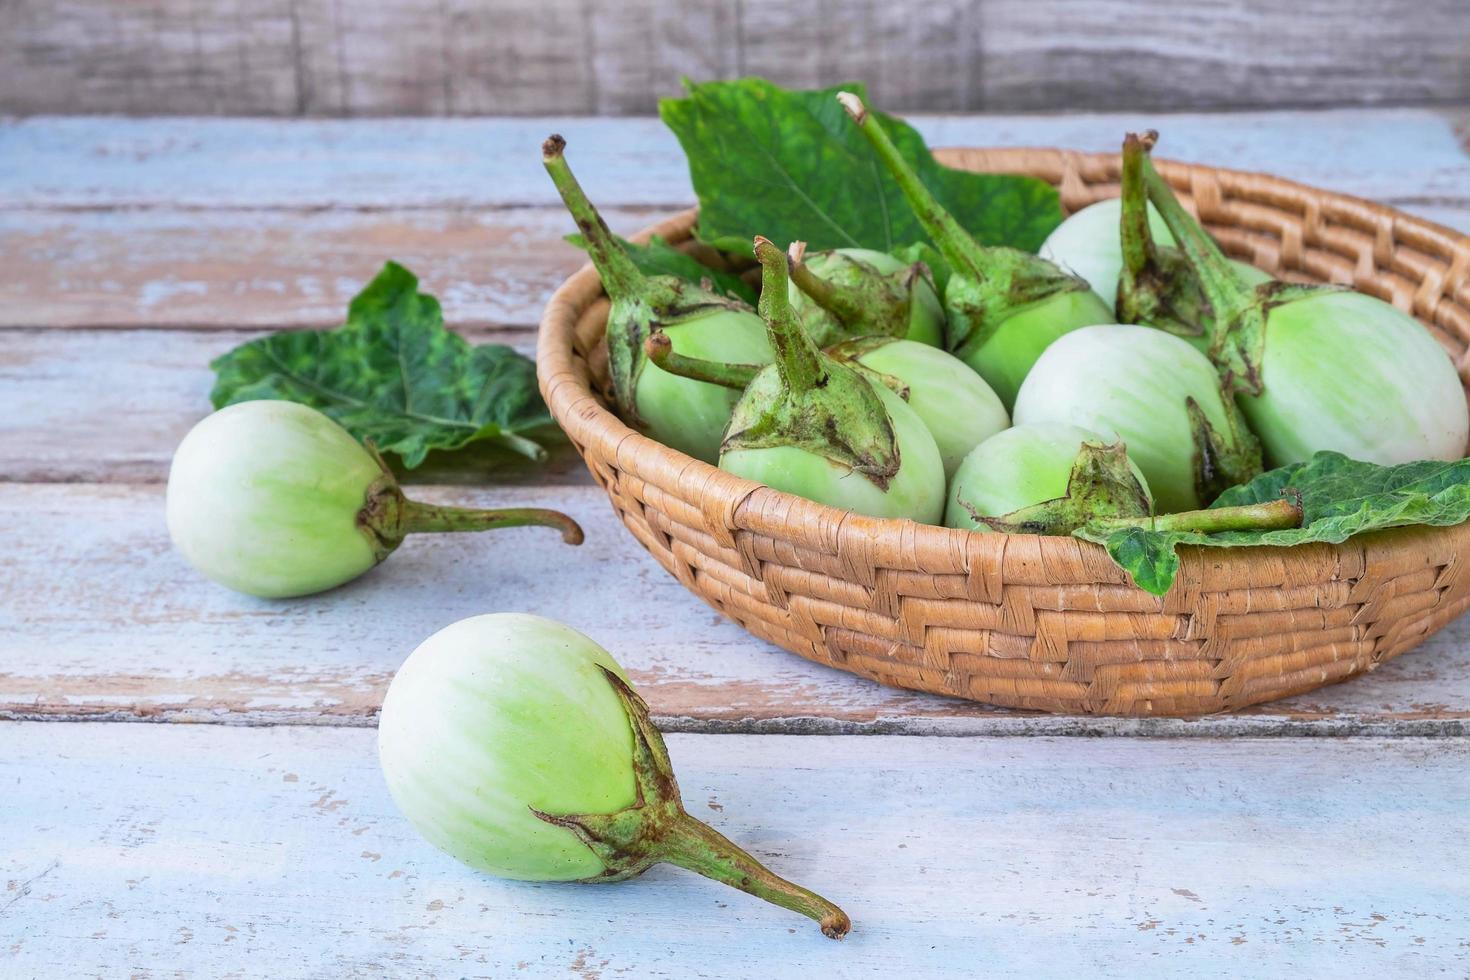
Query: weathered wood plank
1395, 156
266, 249
395, 57
281, 268
1153, 54
133, 56
110, 406
278, 853
99, 617
276, 268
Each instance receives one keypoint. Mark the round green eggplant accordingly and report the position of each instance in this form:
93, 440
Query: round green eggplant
955, 404
274, 499
1158, 395
1004, 357
915, 491
516, 745
1021, 468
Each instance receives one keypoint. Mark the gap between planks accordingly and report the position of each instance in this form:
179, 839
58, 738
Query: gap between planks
1002, 725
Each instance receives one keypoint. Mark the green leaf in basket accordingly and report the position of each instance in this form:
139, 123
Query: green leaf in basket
1340, 497
394, 374
659, 258
791, 166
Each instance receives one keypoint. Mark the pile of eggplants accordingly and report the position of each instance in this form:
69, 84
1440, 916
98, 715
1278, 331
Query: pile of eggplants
1127, 372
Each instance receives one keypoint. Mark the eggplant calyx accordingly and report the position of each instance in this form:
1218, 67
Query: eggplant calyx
628, 841
1232, 312
851, 352
387, 515
660, 302
862, 300
842, 420
1239, 347
1164, 294
381, 517
1157, 284
656, 828
1102, 484
807, 400
978, 306
1222, 459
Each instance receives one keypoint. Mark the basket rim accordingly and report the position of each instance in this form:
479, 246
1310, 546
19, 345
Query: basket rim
749, 506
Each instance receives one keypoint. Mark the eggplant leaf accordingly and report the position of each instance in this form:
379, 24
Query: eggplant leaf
1340, 497
659, 258
393, 374
791, 166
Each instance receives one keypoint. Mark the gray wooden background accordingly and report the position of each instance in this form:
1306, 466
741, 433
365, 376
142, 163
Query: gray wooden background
463, 57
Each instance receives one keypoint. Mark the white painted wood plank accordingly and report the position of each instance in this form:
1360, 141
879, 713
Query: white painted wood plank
100, 618
106, 617
206, 269
518, 56
279, 268
1401, 155
277, 852
111, 405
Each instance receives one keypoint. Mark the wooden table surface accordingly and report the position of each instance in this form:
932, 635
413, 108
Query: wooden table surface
248, 832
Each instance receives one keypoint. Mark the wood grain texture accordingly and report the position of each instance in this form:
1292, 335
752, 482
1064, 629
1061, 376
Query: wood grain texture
100, 617
279, 268
109, 406
277, 852
395, 57
123, 223
1060, 54
211, 269
1403, 156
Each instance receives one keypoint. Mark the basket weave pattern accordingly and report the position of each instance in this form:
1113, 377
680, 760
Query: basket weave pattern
1051, 623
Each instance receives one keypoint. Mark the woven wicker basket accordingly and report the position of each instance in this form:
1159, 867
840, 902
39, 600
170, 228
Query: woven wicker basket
1051, 623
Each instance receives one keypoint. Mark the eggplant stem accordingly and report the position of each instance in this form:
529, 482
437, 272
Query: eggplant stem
1136, 236
528, 448
620, 277
955, 244
657, 828
1224, 289
418, 518
797, 358
835, 301
1274, 515
700, 848
660, 350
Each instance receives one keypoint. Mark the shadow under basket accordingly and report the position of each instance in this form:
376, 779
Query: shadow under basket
1050, 623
